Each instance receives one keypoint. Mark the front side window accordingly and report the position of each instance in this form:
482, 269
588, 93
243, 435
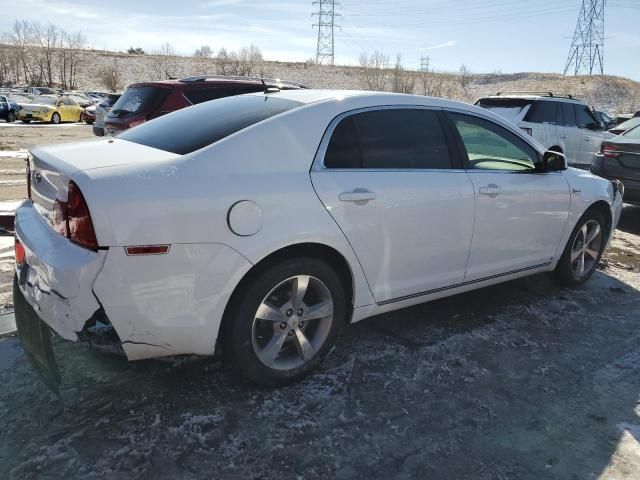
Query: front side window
389, 139
491, 147
584, 118
543, 111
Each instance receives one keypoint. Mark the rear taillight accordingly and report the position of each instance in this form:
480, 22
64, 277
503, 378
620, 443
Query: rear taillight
20, 254
609, 151
80, 226
73, 220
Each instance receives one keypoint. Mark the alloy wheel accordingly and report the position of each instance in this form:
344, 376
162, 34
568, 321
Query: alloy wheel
586, 248
292, 322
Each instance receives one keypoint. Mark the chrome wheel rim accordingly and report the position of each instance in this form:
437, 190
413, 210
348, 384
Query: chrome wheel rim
586, 248
292, 322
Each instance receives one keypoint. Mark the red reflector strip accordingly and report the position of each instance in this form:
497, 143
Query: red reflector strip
20, 253
147, 250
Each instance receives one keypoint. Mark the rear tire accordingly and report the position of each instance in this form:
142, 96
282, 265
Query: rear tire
583, 250
55, 118
282, 322
26, 120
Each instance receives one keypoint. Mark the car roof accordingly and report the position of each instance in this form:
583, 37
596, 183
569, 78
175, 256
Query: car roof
221, 80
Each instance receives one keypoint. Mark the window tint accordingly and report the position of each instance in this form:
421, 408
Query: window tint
584, 118
569, 114
190, 129
634, 133
201, 95
389, 138
491, 147
543, 111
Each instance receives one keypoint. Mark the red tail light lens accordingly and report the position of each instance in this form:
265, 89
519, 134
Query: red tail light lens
20, 253
79, 224
609, 151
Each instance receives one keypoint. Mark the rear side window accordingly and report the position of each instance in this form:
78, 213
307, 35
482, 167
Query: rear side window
389, 139
569, 114
543, 111
139, 100
200, 95
190, 129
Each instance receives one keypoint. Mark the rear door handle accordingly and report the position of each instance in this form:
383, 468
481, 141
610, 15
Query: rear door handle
563, 136
491, 190
359, 196
587, 139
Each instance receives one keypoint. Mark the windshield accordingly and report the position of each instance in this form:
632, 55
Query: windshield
138, 100
190, 129
513, 109
634, 133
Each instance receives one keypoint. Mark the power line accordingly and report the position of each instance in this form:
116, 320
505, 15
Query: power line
325, 50
586, 54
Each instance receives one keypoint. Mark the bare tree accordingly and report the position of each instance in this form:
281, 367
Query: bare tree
402, 81
111, 76
164, 65
464, 77
204, 51
245, 62
375, 70
46, 39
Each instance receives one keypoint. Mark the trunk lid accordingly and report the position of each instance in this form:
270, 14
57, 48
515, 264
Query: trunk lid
52, 167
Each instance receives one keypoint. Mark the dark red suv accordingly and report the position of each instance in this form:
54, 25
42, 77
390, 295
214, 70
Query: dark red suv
147, 100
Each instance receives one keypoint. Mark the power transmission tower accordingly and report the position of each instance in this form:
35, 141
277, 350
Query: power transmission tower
325, 52
586, 55
424, 63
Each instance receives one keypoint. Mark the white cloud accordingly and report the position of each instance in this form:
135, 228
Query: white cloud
450, 43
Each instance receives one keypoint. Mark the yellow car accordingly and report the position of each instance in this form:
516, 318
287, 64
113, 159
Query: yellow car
51, 109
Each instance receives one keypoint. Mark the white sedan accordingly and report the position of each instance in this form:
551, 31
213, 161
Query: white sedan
266, 222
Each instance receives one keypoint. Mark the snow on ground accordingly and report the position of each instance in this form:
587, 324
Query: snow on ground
522, 380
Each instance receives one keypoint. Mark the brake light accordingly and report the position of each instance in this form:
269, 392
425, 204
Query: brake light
609, 151
20, 253
79, 225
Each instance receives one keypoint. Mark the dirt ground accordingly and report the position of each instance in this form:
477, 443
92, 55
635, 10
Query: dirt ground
20, 137
523, 380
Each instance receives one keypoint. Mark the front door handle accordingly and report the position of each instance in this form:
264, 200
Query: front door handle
359, 196
491, 190
563, 136
587, 139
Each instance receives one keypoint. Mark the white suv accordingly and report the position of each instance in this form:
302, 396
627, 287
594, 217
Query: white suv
559, 123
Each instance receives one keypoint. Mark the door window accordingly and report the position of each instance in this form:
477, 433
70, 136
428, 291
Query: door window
584, 118
389, 139
569, 114
200, 95
491, 147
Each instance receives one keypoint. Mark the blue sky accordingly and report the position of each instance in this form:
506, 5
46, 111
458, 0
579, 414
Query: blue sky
485, 35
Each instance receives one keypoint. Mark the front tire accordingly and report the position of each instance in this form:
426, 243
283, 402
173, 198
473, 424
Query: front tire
26, 120
284, 321
583, 251
55, 118
11, 117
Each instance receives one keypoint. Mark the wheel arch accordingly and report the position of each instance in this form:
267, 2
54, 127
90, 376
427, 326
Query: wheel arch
605, 209
308, 249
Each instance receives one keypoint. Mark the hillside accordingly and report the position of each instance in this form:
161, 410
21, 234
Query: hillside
609, 93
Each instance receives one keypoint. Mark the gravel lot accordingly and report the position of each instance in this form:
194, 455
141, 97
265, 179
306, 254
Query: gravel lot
522, 380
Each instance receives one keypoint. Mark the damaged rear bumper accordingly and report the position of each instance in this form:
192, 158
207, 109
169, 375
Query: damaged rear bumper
57, 276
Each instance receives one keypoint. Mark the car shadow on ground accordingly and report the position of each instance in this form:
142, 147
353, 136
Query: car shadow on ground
630, 220
518, 380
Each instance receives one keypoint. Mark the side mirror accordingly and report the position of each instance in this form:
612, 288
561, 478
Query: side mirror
554, 161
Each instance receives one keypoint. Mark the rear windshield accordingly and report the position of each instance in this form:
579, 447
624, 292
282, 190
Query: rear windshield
137, 100
513, 109
634, 133
187, 130
631, 123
